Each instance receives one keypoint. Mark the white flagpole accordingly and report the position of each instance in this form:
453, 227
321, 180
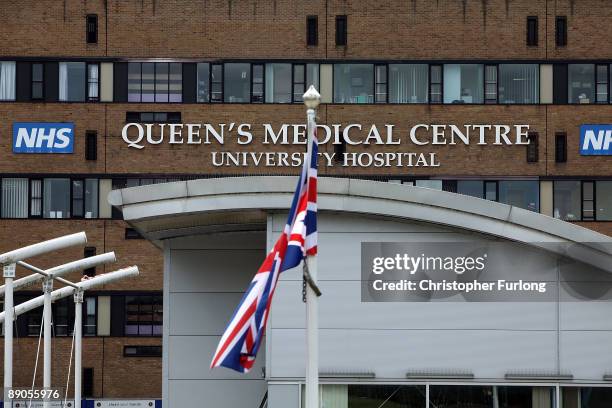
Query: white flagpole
311, 100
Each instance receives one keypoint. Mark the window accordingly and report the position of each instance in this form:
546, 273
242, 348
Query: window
353, 83
586, 397
92, 28
381, 84
37, 81
299, 82
602, 84
72, 81
588, 200
142, 351
91, 198
237, 83
89, 316
203, 80
532, 31
435, 83
408, 83
341, 30
14, 198
604, 200
56, 198
474, 188
433, 184
155, 82
93, 82
304, 75
278, 83
519, 83
566, 199
216, 83
7, 80
312, 31
153, 117
532, 148
36, 198
581, 79
490, 84
63, 317
490, 190
561, 31
88, 382
257, 92
88, 252
560, 147
447, 396
463, 83
520, 193
84, 198
91, 145
143, 315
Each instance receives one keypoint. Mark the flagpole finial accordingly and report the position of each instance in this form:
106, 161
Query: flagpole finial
312, 98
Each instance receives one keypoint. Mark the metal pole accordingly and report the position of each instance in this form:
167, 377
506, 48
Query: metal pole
47, 289
78, 339
312, 339
9, 274
312, 307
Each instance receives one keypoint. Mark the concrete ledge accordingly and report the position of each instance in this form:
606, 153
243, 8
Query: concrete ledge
163, 202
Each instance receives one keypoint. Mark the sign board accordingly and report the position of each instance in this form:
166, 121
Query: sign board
41, 404
124, 403
43, 137
596, 140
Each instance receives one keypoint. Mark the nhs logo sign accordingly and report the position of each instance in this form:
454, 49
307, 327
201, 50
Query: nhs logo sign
596, 140
43, 137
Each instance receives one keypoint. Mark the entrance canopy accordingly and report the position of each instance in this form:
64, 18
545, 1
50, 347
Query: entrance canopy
185, 208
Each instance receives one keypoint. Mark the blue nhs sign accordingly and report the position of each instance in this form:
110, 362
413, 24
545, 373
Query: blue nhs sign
596, 140
43, 137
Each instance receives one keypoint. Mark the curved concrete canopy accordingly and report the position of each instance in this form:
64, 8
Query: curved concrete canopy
184, 208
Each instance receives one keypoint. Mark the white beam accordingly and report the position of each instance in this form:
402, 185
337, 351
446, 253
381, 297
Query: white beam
61, 293
60, 270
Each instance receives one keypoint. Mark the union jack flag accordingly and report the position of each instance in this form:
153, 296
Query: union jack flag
239, 344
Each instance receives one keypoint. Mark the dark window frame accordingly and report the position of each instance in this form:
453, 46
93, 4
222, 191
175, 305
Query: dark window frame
561, 31
156, 64
532, 31
220, 82
440, 84
312, 31
91, 29
341, 30
156, 308
147, 351
88, 252
261, 98
491, 101
41, 82
295, 82
88, 81
91, 145
533, 149
605, 82
384, 83
592, 200
560, 147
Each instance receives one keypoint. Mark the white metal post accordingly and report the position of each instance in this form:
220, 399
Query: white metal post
47, 289
78, 340
9, 274
311, 100
312, 339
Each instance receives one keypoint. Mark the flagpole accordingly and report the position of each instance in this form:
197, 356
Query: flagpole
311, 100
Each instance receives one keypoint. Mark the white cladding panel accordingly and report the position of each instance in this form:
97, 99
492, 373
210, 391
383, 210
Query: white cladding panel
208, 274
